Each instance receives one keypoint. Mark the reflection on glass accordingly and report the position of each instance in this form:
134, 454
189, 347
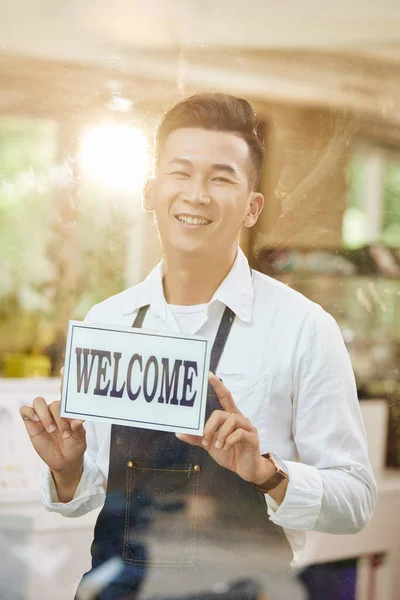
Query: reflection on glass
115, 155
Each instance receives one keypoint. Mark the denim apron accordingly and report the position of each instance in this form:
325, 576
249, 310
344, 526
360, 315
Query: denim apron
183, 526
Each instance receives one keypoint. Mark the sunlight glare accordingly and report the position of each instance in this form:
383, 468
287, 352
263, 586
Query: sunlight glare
116, 156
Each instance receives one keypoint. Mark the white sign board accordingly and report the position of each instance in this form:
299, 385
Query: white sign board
135, 377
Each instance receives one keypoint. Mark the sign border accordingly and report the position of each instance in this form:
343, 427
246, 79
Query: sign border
129, 331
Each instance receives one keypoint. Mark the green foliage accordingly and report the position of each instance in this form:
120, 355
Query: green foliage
354, 232
354, 222
38, 247
391, 202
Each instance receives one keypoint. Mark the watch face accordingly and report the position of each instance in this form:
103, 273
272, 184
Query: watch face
280, 465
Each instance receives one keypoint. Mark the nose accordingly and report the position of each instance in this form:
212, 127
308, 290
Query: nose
196, 192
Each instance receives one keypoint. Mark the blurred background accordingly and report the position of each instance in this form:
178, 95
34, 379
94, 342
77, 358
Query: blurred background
82, 87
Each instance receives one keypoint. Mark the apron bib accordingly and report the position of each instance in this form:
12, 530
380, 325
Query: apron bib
182, 524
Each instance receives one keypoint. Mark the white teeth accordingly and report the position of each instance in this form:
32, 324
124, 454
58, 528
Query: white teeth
192, 220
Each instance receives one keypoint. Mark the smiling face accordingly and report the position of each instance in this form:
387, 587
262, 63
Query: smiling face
201, 194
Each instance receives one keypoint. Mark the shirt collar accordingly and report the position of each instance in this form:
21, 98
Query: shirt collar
236, 291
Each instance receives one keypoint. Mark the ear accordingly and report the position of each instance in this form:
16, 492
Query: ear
255, 206
147, 195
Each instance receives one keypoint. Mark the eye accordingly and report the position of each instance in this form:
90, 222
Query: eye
180, 174
222, 180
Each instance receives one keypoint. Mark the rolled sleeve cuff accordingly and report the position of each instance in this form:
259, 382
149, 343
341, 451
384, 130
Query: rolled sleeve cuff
302, 503
90, 493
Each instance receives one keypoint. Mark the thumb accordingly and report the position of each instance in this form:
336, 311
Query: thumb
77, 427
193, 440
61, 379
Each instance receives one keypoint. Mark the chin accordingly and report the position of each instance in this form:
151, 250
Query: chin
186, 247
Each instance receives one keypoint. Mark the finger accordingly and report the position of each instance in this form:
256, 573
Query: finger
77, 429
43, 412
193, 440
61, 379
232, 423
214, 423
76, 424
28, 414
62, 423
223, 394
67, 427
32, 422
240, 436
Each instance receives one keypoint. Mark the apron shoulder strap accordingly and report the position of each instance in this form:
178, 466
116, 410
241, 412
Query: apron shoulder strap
138, 322
220, 339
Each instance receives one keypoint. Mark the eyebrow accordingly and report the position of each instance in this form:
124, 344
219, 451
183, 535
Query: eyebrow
216, 167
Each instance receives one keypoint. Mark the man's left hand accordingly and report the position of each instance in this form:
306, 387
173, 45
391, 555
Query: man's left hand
231, 440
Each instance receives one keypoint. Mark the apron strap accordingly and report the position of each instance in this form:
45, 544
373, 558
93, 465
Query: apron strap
220, 339
218, 347
138, 322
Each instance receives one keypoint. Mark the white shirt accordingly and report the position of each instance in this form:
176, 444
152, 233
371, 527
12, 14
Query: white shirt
189, 318
289, 372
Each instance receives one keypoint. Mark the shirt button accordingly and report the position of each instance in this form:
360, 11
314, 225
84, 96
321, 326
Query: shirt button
197, 467
130, 463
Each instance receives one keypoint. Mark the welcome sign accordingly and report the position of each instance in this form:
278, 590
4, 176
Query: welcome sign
135, 377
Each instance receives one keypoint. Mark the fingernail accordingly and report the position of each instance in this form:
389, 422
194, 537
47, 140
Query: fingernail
51, 428
204, 442
36, 418
218, 444
66, 434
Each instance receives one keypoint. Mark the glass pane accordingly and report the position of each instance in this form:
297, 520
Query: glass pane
354, 232
391, 210
27, 153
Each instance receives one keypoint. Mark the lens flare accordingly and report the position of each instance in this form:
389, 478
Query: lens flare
114, 155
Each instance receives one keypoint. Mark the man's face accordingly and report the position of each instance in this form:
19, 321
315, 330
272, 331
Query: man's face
201, 194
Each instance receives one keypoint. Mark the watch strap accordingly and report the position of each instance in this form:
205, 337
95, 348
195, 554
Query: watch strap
273, 481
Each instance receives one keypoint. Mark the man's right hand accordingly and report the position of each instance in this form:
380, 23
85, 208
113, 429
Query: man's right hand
60, 443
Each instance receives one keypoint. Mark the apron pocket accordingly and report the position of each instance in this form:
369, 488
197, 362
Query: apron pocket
160, 530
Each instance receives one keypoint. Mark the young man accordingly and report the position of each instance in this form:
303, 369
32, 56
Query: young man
284, 432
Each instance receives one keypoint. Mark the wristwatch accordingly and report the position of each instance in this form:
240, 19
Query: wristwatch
280, 475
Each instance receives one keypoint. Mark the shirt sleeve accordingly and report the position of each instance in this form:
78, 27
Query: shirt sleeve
332, 488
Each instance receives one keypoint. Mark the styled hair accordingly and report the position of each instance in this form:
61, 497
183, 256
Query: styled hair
218, 112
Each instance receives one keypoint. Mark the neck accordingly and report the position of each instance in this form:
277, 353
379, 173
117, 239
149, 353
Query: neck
190, 280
